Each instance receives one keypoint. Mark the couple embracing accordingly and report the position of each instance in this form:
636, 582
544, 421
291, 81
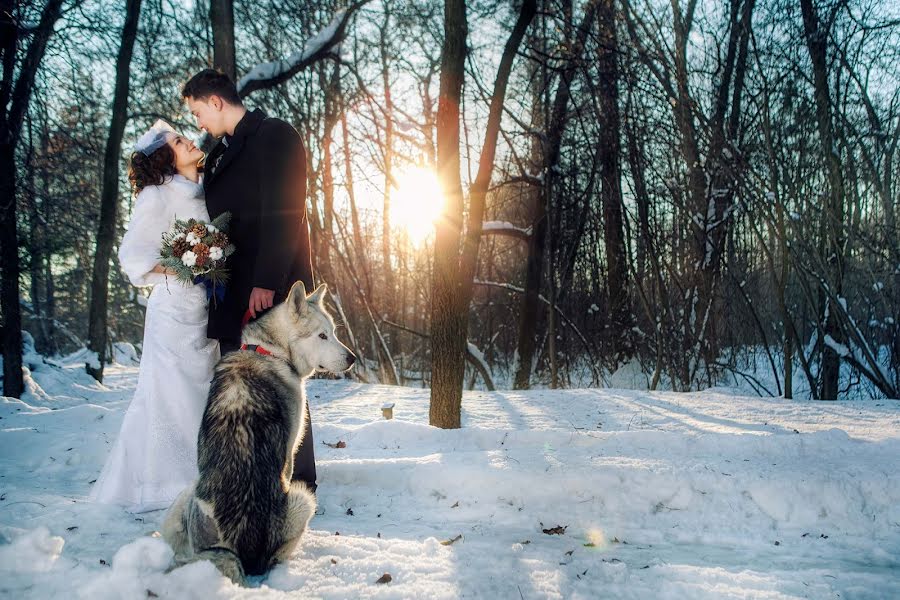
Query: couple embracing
257, 173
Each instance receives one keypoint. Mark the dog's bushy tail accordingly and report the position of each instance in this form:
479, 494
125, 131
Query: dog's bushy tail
300, 509
226, 561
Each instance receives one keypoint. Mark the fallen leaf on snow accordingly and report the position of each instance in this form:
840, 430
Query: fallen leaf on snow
448, 542
386, 578
558, 530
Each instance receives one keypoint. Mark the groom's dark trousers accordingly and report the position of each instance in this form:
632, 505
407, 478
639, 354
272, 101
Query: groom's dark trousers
259, 176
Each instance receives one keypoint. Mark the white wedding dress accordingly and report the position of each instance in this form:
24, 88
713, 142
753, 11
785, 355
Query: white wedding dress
155, 455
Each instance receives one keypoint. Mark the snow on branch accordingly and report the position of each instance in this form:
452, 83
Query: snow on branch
476, 357
499, 284
505, 228
269, 74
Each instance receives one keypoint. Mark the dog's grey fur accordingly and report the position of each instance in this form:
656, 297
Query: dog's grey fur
244, 513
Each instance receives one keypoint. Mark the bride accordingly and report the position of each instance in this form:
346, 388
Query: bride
155, 455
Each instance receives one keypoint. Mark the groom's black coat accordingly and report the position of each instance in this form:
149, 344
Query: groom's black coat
259, 176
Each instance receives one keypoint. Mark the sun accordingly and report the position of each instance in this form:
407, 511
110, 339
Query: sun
416, 203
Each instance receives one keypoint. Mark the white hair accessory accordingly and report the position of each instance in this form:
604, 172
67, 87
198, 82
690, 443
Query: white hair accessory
154, 138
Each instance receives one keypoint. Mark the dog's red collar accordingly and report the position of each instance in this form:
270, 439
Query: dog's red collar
256, 348
260, 350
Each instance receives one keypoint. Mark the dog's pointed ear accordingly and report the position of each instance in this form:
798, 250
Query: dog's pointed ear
297, 298
318, 295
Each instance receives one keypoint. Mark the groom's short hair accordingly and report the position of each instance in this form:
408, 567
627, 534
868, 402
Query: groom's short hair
210, 82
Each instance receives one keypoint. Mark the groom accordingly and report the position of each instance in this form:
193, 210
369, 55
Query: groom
257, 172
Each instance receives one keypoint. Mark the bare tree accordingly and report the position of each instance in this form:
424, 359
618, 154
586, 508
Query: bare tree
454, 272
833, 212
15, 96
555, 128
608, 146
109, 199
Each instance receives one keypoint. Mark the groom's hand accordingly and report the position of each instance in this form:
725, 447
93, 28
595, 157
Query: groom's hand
260, 300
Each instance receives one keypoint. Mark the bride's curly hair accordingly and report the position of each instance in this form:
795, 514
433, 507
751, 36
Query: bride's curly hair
151, 170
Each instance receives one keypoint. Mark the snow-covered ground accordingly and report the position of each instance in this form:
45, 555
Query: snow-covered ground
641, 494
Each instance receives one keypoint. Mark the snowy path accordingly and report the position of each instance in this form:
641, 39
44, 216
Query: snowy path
661, 495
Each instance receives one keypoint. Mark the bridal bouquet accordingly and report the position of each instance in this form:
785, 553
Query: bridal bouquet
197, 252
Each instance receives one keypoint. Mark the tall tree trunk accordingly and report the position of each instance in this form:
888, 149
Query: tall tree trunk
37, 244
833, 211
642, 199
358, 247
780, 275
697, 207
448, 324
536, 197
109, 197
388, 271
536, 245
332, 106
15, 95
454, 273
553, 227
611, 180
13, 383
528, 311
221, 17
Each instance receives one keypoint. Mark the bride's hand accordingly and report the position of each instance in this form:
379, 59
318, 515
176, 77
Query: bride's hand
164, 270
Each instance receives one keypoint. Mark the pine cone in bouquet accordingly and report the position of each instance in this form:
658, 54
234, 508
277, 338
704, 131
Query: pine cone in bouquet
201, 251
179, 247
199, 230
220, 239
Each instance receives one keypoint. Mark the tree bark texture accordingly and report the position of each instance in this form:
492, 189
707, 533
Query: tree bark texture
619, 318
833, 211
15, 95
109, 197
448, 324
454, 275
221, 17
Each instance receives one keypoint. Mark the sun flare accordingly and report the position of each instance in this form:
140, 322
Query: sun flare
416, 203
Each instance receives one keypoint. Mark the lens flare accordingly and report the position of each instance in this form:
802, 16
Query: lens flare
596, 539
416, 203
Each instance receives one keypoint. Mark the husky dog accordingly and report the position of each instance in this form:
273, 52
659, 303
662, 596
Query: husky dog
243, 512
